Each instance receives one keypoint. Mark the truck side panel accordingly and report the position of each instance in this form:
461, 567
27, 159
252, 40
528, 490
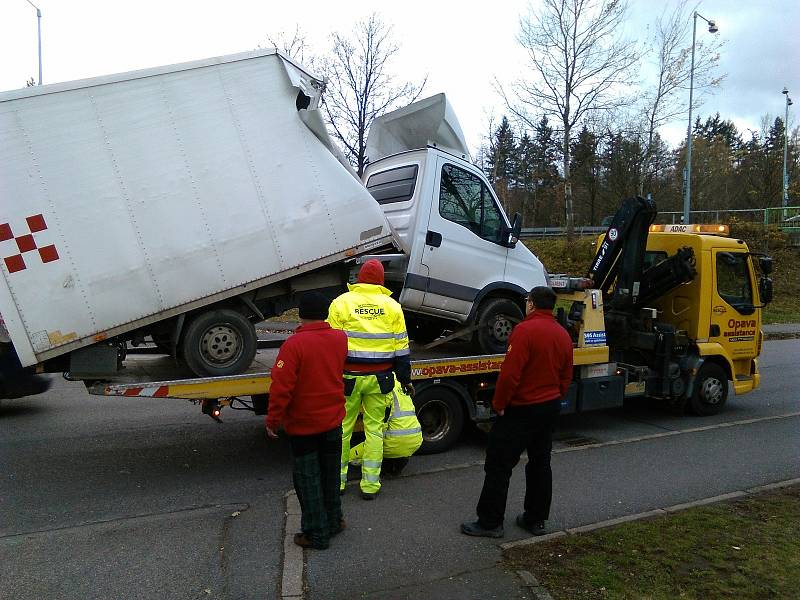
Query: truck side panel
133, 196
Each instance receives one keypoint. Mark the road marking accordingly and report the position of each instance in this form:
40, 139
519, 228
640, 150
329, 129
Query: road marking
232, 507
654, 436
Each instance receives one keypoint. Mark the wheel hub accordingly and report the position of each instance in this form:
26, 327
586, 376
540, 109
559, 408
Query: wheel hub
221, 345
501, 328
434, 419
711, 391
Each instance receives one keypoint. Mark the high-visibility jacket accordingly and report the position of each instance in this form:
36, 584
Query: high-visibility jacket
375, 328
403, 435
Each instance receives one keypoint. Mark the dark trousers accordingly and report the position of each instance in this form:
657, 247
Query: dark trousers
316, 481
520, 428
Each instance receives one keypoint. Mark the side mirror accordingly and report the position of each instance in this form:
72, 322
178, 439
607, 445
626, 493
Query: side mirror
765, 263
765, 289
516, 229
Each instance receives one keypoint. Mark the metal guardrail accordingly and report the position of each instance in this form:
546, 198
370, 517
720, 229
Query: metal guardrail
787, 218
544, 232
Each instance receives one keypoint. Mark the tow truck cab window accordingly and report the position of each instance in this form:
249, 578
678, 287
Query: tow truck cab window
466, 200
652, 258
733, 279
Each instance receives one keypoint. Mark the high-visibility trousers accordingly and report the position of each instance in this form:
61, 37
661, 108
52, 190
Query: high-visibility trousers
367, 394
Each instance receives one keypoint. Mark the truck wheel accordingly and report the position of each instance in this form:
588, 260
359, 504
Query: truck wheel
219, 342
710, 390
496, 318
441, 416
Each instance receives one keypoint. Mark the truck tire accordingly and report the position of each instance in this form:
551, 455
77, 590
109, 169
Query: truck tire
496, 319
710, 390
441, 416
219, 342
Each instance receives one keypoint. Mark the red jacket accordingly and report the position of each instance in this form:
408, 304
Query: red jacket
538, 364
307, 390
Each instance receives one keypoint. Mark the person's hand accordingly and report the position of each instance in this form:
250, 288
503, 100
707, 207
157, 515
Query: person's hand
408, 389
271, 434
500, 413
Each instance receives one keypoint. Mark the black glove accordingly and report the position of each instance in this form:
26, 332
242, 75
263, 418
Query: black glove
408, 389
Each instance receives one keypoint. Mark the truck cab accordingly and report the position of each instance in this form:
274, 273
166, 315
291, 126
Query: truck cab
721, 310
461, 263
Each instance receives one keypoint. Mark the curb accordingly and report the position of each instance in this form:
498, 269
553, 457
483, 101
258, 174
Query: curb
293, 564
651, 513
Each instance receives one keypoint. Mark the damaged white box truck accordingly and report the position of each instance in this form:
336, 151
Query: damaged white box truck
188, 202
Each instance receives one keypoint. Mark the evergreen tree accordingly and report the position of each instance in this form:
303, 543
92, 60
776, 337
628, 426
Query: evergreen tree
501, 163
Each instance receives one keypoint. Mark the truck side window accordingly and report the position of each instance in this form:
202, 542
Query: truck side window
733, 279
466, 200
393, 185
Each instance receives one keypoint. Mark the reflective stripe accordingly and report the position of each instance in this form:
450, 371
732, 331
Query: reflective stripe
372, 354
404, 431
403, 352
372, 464
396, 408
363, 335
403, 413
401, 336
370, 477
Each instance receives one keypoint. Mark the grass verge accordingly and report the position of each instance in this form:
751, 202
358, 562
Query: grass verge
745, 549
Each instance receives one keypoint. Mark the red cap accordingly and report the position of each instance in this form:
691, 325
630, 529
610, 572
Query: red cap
371, 272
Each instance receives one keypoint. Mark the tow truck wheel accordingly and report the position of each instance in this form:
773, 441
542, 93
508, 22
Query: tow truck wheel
710, 390
496, 319
441, 416
219, 342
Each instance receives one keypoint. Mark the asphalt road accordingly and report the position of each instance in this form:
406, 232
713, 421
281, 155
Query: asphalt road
137, 498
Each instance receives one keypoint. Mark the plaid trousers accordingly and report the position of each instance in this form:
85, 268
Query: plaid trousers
316, 481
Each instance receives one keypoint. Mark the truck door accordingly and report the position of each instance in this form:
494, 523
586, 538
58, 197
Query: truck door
738, 321
463, 250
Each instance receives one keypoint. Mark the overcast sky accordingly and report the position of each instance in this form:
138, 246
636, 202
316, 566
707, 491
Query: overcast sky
461, 46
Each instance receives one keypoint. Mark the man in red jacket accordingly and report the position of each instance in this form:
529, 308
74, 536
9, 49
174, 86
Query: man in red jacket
535, 375
307, 396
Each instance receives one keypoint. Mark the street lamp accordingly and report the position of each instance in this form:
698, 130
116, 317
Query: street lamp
687, 199
785, 92
39, 23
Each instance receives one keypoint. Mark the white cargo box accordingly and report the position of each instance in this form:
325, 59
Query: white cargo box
132, 198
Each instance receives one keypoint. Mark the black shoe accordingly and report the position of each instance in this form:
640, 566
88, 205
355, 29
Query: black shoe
535, 528
476, 529
369, 496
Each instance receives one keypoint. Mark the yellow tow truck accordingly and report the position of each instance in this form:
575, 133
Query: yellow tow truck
671, 312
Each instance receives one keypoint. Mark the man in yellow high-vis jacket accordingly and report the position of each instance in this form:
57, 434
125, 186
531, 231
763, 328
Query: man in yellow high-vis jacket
377, 351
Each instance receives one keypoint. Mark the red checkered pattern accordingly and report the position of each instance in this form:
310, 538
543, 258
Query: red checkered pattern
26, 243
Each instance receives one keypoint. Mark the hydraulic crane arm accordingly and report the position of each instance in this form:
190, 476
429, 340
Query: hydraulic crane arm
619, 262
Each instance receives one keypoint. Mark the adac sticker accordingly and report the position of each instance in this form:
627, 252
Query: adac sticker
594, 338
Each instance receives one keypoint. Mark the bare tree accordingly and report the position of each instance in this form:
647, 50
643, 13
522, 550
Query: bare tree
294, 45
671, 51
360, 85
579, 65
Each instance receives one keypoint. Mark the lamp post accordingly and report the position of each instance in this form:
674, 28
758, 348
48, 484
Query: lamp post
687, 198
785, 92
39, 24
